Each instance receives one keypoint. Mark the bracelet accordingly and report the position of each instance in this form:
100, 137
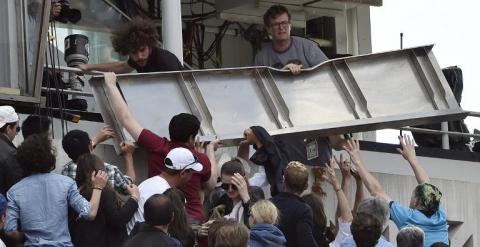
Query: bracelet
337, 190
97, 188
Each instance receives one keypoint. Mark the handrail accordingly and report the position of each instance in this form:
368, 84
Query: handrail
438, 132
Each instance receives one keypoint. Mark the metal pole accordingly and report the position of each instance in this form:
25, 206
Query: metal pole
172, 27
445, 140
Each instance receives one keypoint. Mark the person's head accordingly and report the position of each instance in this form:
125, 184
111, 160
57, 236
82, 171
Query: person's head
76, 143
426, 198
136, 39
366, 230
9, 122
315, 202
277, 22
86, 165
410, 236
377, 207
296, 177
158, 210
184, 128
214, 227
263, 212
36, 155
250, 137
3, 207
36, 124
180, 164
232, 234
179, 227
227, 171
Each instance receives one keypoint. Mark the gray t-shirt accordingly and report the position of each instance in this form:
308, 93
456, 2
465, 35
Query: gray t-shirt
301, 51
316, 151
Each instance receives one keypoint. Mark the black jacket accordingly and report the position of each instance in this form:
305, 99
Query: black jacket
296, 220
10, 171
149, 236
109, 227
273, 156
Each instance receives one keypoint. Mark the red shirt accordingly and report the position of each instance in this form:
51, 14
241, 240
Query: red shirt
158, 148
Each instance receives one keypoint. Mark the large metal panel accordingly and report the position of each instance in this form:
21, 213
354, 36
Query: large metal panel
360, 93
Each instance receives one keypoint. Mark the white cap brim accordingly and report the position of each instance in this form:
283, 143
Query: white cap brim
196, 167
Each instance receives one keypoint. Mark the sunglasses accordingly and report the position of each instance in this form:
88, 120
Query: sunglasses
169, 163
227, 187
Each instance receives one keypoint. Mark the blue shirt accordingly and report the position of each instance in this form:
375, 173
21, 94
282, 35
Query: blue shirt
435, 226
39, 203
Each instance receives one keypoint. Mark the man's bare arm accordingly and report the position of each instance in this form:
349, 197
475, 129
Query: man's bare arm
119, 67
120, 107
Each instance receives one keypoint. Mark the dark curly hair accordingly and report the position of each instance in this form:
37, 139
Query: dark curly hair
135, 34
36, 155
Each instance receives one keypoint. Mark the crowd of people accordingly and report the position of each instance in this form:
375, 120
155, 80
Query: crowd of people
188, 199
93, 203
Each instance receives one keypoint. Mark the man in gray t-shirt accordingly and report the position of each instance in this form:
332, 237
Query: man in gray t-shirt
295, 53
285, 51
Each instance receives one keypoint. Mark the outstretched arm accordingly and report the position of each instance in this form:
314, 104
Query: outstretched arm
372, 184
128, 148
359, 195
120, 107
119, 67
346, 177
345, 212
408, 153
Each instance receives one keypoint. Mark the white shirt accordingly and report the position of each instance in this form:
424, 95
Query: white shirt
148, 188
237, 212
343, 232
2, 244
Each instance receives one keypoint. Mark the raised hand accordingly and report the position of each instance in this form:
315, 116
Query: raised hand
104, 134
99, 179
239, 181
345, 166
127, 147
199, 145
215, 144
330, 173
353, 149
408, 148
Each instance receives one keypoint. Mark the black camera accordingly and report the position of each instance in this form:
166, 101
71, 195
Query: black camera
67, 14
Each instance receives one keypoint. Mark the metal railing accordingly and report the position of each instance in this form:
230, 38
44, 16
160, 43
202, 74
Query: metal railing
444, 131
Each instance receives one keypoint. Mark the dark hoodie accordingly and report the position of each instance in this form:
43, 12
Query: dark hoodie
262, 235
272, 155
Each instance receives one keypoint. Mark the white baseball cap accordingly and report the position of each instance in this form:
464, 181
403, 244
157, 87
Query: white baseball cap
7, 115
181, 159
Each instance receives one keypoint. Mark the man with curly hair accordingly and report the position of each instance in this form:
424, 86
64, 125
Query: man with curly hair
138, 39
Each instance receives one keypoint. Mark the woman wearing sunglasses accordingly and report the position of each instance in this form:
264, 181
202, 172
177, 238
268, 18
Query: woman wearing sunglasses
238, 194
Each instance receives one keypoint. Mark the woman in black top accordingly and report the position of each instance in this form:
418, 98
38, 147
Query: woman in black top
108, 229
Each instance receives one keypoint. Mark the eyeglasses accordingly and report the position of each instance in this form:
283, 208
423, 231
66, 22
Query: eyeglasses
227, 187
283, 24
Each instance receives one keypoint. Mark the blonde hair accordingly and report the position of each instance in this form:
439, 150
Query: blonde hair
296, 177
264, 212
